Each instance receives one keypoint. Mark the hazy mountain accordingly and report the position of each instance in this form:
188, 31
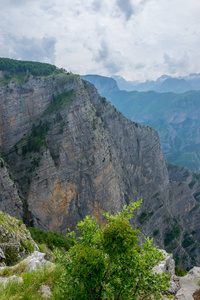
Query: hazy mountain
174, 116
163, 84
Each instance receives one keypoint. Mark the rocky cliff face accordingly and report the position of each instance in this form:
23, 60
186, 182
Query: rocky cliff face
70, 153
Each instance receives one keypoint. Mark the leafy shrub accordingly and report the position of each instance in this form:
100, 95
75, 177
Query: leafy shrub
145, 216
108, 263
171, 235
188, 242
180, 271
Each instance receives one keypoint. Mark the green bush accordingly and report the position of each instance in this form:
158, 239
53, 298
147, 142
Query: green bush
50, 239
180, 271
108, 263
171, 235
145, 216
188, 242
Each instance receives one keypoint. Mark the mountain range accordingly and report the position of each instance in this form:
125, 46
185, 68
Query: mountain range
163, 84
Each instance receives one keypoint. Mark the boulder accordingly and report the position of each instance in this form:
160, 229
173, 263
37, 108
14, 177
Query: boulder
166, 266
45, 291
36, 260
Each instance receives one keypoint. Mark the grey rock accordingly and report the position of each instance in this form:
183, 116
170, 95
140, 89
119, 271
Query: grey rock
194, 273
167, 266
181, 297
36, 260
9, 197
189, 284
2, 256
45, 291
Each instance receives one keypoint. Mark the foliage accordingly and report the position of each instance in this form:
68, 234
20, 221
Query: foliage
145, 216
50, 239
188, 242
180, 271
108, 263
36, 139
172, 234
12, 67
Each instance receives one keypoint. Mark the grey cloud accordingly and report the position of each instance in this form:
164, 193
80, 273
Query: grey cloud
126, 7
96, 5
17, 3
111, 61
31, 48
176, 64
139, 66
113, 67
103, 52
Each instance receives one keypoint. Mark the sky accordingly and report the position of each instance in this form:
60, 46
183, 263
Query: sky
135, 39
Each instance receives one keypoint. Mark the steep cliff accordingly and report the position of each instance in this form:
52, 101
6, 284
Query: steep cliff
71, 153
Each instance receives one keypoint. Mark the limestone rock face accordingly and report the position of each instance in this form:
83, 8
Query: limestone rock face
71, 153
9, 197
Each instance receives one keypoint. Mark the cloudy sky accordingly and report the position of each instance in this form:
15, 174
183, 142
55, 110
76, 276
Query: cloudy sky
136, 39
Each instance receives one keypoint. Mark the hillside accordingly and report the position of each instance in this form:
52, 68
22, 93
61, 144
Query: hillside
66, 153
174, 116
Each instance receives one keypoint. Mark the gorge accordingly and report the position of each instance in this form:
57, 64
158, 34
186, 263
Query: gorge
66, 152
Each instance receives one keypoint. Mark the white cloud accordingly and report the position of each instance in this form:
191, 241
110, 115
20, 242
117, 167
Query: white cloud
137, 39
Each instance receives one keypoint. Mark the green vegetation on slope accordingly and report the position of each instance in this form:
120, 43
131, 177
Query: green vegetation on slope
102, 263
50, 239
13, 67
61, 99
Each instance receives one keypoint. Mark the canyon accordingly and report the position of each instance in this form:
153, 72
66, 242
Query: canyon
66, 152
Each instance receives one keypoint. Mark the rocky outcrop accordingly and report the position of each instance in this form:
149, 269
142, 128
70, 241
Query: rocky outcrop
71, 153
15, 240
166, 266
189, 285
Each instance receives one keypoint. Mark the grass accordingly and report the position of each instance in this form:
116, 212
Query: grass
29, 289
16, 270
